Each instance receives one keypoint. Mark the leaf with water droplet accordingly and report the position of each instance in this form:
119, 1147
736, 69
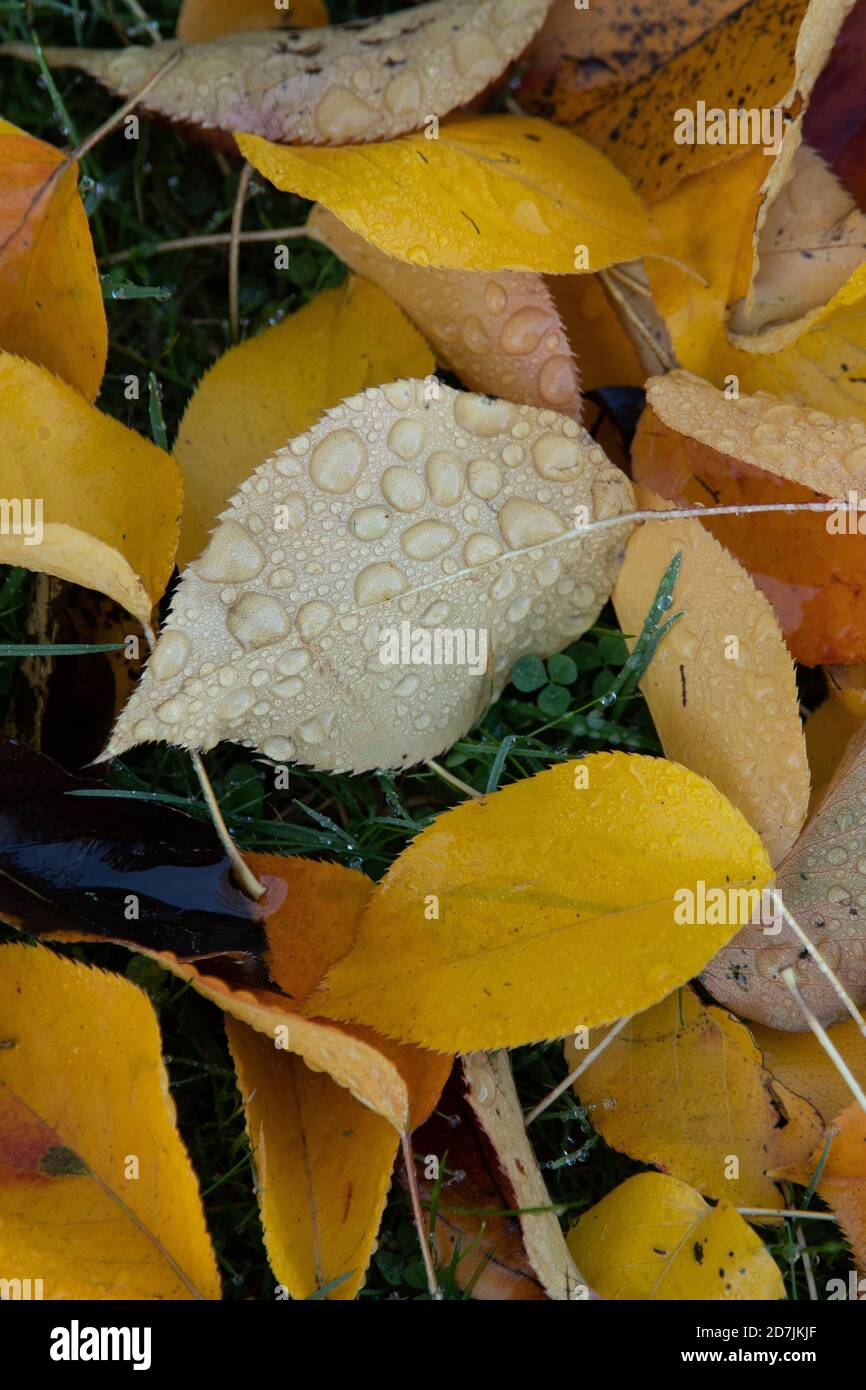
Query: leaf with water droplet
369, 587
276, 385
538, 929
502, 336
51, 308
365, 81
491, 193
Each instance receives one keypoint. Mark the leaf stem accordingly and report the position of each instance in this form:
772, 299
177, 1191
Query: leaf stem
243, 872
455, 781
821, 963
234, 249
832, 1051
418, 1214
188, 243
578, 1071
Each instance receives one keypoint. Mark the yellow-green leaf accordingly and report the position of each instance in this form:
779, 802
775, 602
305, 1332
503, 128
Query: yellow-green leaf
323, 1166
493, 193
269, 389
110, 500
655, 1238
97, 1195
512, 919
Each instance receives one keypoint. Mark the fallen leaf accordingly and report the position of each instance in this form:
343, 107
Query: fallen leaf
799, 1061
83, 1092
110, 500
842, 1182
200, 20
503, 336
604, 350
487, 1167
759, 55
699, 449
410, 504
829, 729
721, 687
492, 193
537, 930
834, 121
364, 81
51, 308
822, 882
323, 1166
683, 1087
270, 388
655, 1238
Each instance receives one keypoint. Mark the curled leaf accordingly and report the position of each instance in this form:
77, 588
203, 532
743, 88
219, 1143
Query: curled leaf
721, 687
822, 882
316, 613
323, 1165
51, 308
698, 448
272, 387
527, 944
654, 1237
503, 336
369, 80
83, 1091
493, 193
110, 499
683, 1087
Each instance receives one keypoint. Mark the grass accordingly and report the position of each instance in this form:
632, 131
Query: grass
168, 321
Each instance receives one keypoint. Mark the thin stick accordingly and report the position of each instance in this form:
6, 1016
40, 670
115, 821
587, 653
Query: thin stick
243, 872
839, 1062
95, 136
418, 1213
455, 781
604, 523
150, 26
234, 249
629, 281
187, 243
821, 963
636, 321
775, 1211
807, 1264
578, 1071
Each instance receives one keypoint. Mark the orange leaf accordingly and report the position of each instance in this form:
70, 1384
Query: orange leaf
842, 1182
51, 308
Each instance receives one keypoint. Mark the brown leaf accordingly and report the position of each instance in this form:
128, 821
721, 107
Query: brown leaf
501, 334
488, 1171
344, 84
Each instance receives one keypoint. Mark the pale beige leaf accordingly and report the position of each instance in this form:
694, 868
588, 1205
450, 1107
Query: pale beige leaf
455, 515
820, 451
823, 884
721, 686
369, 80
501, 334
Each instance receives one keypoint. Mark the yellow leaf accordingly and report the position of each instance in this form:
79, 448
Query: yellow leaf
655, 1238
51, 308
682, 1087
800, 1062
312, 927
828, 731
502, 337
323, 1166
272, 387
348, 82
492, 193
200, 20
721, 686
83, 1096
537, 928
842, 1182
340, 559
110, 500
